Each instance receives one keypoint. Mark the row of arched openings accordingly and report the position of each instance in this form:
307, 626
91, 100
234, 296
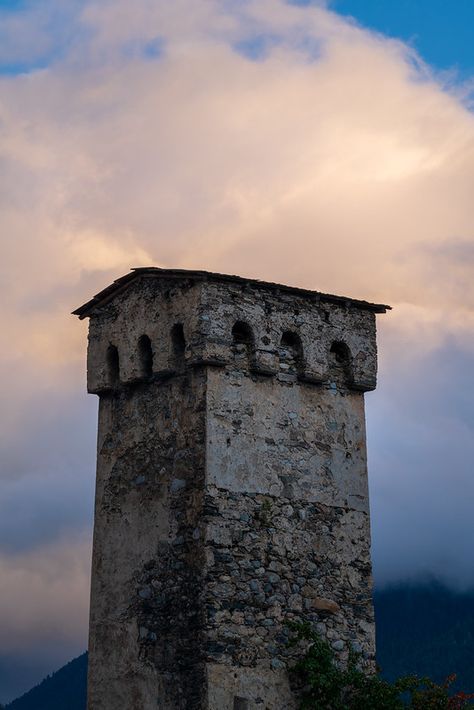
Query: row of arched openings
290, 353
145, 356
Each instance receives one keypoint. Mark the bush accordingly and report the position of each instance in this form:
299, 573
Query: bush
326, 686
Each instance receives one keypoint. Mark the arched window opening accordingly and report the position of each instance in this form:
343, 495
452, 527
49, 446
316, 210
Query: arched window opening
340, 363
290, 340
291, 353
340, 353
178, 346
242, 334
113, 366
145, 354
242, 343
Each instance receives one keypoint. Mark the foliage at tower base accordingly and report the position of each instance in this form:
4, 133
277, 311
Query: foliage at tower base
324, 685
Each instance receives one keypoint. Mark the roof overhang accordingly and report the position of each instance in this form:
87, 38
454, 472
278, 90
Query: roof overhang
122, 283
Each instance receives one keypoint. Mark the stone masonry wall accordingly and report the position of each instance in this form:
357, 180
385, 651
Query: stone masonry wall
146, 626
231, 491
288, 530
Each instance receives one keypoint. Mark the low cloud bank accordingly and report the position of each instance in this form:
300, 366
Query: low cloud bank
44, 598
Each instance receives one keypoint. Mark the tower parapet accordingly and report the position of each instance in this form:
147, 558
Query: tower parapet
207, 309
231, 486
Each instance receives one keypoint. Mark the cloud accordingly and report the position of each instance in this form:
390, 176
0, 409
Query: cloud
265, 138
422, 446
44, 599
48, 462
33, 34
45, 596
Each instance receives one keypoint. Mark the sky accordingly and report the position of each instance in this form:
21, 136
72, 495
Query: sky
324, 145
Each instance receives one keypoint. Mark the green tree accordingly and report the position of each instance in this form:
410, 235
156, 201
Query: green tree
326, 686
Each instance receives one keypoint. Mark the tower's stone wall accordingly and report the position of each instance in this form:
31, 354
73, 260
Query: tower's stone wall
231, 488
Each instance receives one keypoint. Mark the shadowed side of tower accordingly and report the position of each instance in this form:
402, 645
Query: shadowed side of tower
231, 486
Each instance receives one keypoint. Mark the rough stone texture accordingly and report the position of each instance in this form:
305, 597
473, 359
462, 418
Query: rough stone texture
231, 489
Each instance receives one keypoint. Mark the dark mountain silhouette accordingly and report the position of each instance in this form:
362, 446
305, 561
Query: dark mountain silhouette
63, 690
425, 629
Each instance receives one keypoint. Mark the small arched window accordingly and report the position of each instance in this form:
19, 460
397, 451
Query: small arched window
178, 347
291, 353
113, 366
243, 344
242, 334
340, 363
145, 354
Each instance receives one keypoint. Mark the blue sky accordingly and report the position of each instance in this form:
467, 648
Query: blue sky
12, 5
440, 30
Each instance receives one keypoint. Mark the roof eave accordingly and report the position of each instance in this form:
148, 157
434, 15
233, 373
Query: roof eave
123, 282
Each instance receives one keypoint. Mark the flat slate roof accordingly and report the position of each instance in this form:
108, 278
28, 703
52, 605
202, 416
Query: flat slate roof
123, 282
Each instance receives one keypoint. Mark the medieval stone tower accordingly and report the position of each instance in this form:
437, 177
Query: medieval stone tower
231, 486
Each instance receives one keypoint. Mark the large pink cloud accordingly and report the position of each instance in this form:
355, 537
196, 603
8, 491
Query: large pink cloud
277, 141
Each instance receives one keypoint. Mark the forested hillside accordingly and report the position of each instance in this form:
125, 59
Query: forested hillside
428, 630
63, 690
425, 629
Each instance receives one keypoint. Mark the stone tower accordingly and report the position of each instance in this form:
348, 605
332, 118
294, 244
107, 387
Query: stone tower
231, 486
